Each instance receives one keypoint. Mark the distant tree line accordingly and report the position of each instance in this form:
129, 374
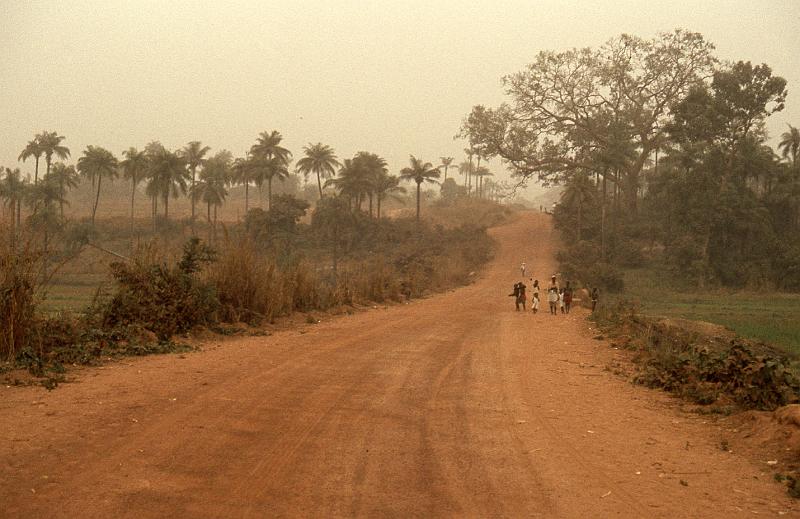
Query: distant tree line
363, 182
661, 149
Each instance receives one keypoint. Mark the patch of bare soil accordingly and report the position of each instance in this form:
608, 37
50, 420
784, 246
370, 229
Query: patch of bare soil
455, 405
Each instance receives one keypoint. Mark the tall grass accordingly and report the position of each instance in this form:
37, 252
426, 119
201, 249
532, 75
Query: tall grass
21, 270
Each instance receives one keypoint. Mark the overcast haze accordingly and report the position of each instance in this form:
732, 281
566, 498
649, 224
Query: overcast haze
392, 78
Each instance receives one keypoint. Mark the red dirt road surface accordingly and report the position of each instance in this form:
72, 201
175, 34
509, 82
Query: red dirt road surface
452, 406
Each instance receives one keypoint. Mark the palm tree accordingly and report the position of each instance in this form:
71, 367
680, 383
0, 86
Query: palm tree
13, 190
320, 160
352, 181
242, 174
214, 178
790, 144
470, 152
97, 163
386, 185
40, 199
168, 176
419, 172
446, 163
134, 168
270, 160
269, 169
480, 172
193, 154
67, 178
32, 149
465, 168
372, 167
51, 145
152, 149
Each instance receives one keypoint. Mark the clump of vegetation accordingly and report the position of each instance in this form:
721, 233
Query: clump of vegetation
164, 299
703, 368
20, 276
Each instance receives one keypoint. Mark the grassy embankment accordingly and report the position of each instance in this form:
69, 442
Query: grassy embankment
768, 316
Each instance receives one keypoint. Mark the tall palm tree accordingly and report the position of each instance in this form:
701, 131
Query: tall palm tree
211, 188
194, 153
465, 168
372, 166
352, 181
242, 174
790, 144
13, 189
97, 163
386, 185
470, 152
270, 160
51, 146
480, 173
40, 198
32, 149
419, 172
134, 168
168, 176
320, 160
446, 163
67, 178
151, 149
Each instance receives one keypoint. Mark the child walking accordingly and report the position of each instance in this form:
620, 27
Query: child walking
561, 300
535, 302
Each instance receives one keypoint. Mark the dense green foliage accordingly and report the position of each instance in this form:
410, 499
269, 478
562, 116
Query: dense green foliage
662, 153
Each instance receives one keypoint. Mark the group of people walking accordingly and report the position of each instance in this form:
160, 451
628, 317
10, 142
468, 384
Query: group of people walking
559, 298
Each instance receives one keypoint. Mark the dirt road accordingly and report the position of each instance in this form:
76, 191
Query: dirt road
451, 406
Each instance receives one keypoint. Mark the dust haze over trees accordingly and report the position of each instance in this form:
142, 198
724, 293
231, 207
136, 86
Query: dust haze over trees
662, 151
270, 262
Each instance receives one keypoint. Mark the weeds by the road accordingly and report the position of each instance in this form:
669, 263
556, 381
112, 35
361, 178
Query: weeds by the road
704, 368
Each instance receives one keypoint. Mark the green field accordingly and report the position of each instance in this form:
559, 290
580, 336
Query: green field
772, 317
72, 293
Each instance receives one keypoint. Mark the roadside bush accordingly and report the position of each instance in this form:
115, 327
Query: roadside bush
20, 275
703, 368
163, 299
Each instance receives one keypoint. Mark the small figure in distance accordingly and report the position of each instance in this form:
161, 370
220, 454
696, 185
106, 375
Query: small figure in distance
595, 296
522, 296
552, 298
522, 269
553, 282
561, 300
567, 297
535, 302
518, 294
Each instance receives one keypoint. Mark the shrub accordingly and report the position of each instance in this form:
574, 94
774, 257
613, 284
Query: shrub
20, 277
163, 299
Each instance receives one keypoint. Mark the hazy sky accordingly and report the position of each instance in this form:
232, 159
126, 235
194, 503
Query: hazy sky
388, 77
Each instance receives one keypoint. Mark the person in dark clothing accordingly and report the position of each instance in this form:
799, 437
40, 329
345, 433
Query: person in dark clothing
567, 297
521, 295
515, 294
595, 297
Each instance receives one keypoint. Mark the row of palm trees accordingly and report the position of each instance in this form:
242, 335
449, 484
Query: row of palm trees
206, 178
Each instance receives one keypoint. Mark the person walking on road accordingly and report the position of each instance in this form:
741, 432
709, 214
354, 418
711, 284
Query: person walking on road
535, 302
522, 269
519, 295
552, 298
561, 300
595, 296
567, 297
